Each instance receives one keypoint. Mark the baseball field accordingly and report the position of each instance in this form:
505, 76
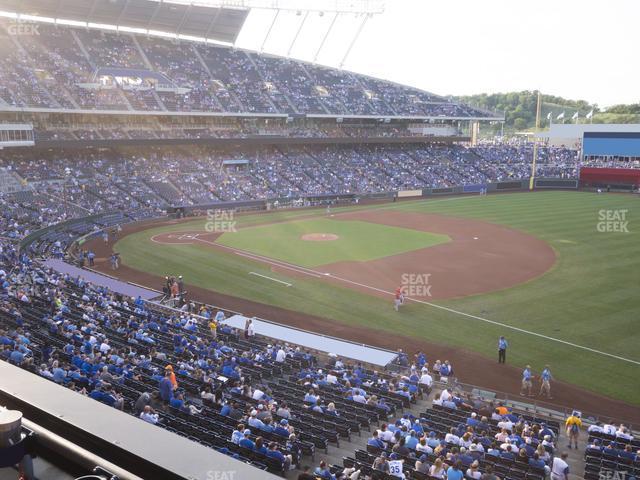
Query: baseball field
557, 273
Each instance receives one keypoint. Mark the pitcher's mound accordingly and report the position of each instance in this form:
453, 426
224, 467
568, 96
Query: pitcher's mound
319, 237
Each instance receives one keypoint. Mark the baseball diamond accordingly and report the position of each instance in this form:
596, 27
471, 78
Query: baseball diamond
499, 249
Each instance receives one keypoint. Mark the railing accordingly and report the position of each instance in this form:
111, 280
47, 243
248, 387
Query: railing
227, 311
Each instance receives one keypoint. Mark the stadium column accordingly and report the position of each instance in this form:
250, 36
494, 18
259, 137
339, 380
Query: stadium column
532, 179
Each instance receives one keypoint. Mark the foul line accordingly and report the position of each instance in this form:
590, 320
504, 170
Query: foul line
317, 274
270, 278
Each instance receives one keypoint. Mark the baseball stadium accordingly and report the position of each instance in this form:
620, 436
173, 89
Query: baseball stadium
222, 263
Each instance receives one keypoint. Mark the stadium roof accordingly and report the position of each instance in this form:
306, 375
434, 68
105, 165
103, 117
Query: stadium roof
197, 19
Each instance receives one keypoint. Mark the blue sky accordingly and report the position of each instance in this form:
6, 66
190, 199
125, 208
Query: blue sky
577, 49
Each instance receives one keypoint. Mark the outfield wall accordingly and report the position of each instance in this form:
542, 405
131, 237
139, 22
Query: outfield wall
391, 195
614, 178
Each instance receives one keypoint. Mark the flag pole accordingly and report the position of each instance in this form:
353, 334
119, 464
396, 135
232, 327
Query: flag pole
535, 144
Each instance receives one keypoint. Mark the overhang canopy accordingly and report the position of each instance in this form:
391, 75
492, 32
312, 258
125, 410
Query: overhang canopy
213, 23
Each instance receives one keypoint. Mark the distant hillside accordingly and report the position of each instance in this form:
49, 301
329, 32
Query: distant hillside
520, 110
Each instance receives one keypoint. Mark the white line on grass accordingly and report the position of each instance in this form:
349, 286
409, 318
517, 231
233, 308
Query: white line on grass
259, 258
270, 278
315, 273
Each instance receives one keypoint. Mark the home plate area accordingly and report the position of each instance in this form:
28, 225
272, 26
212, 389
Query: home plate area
183, 238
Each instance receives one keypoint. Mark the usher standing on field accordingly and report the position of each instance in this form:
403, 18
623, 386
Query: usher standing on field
502, 350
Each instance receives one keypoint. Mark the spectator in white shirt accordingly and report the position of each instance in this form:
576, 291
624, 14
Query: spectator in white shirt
597, 428
506, 424
451, 437
445, 395
257, 394
426, 379
384, 434
560, 468
622, 432
358, 397
148, 415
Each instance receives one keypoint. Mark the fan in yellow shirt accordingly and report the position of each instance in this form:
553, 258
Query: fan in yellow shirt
573, 425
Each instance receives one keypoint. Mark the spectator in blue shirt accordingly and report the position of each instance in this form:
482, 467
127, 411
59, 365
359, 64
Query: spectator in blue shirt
536, 461
323, 471
273, 452
311, 397
281, 429
259, 446
455, 472
16, 357
411, 441
246, 442
508, 453
375, 441
166, 387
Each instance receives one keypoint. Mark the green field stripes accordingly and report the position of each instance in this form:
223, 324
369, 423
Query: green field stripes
357, 241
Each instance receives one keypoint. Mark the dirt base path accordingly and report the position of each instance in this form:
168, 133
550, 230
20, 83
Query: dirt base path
470, 367
482, 257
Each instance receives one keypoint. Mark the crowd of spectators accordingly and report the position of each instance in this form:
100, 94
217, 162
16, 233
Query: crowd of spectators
59, 185
462, 436
264, 129
72, 68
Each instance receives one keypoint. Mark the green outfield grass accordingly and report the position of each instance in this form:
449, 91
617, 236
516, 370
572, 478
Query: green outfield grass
589, 298
357, 241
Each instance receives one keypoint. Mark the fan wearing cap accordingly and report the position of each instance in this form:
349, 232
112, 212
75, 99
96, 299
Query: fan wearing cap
283, 428
254, 421
172, 376
246, 442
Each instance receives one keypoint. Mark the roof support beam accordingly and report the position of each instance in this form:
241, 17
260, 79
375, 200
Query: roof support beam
304, 19
122, 12
355, 38
266, 37
213, 23
326, 35
153, 16
93, 9
184, 19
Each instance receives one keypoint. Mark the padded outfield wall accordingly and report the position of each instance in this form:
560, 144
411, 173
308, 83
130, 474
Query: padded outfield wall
610, 177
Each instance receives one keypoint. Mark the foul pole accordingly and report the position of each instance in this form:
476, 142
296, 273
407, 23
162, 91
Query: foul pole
535, 144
